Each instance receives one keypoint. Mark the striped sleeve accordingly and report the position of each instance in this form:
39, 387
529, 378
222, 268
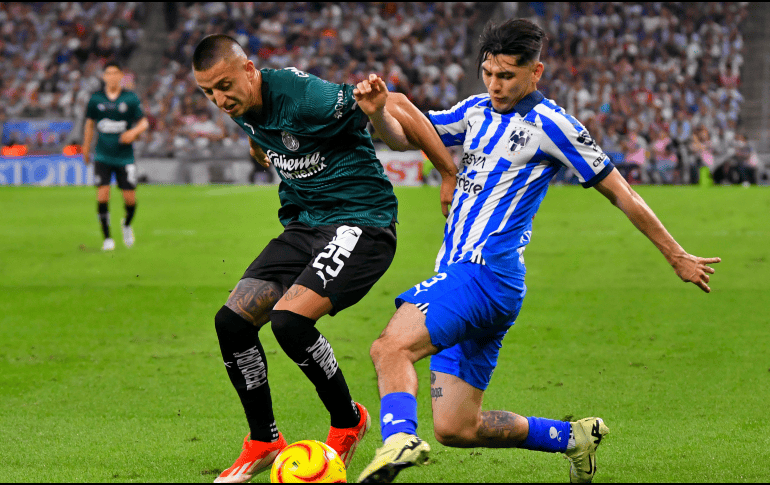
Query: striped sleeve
451, 124
570, 143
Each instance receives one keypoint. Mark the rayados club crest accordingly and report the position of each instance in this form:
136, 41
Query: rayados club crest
519, 139
290, 141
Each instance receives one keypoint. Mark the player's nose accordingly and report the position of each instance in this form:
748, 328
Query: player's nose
219, 99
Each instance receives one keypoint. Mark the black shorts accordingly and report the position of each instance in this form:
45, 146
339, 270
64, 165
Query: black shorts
125, 175
339, 262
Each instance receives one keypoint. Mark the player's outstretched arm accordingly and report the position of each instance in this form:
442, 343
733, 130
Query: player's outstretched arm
403, 127
688, 267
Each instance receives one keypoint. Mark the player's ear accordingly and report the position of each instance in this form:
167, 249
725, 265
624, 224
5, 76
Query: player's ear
249, 67
538, 72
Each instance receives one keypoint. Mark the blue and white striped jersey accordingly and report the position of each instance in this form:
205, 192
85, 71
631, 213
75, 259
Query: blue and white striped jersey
508, 161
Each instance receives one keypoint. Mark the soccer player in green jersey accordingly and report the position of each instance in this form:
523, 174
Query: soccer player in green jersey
116, 114
338, 211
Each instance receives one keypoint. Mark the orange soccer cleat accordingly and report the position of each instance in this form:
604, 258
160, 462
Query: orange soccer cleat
345, 440
255, 457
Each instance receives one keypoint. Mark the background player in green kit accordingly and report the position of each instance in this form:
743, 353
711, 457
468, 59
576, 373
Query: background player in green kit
117, 116
339, 212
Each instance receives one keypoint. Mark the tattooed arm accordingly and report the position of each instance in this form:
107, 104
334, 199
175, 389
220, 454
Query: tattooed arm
253, 299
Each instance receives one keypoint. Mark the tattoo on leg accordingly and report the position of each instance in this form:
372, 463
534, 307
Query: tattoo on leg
294, 292
435, 392
253, 299
501, 429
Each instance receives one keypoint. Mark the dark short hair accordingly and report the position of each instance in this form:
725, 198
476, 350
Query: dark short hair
515, 37
213, 48
112, 64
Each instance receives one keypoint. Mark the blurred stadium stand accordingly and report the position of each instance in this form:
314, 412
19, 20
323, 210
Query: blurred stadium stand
658, 85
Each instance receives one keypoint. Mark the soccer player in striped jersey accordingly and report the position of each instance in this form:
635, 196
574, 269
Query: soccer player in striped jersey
514, 142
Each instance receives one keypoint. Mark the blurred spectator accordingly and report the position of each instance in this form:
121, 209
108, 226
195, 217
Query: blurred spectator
636, 159
740, 166
701, 148
664, 157
665, 162
198, 133
680, 129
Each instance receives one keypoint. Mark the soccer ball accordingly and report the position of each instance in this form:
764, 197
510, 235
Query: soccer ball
308, 461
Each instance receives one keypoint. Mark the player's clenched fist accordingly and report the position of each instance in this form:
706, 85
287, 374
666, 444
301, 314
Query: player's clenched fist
127, 137
258, 154
371, 94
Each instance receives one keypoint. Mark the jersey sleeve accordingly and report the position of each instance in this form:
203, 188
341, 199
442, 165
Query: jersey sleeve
322, 108
452, 123
568, 141
92, 112
138, 112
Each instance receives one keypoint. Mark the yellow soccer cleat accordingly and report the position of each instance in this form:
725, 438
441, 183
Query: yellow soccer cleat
400, 451
588, 433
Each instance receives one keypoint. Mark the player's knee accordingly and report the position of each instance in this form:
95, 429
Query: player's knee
386, 346
227, 322
378, 349
451, 434
288, 325
446, 436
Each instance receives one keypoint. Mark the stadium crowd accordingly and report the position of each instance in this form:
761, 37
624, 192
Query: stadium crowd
51, 54
419, 47
657, 85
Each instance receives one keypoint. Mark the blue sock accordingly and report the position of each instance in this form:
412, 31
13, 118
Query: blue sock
547, 435
398, 414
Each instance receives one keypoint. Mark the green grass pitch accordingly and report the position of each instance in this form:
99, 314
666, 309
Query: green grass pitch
110, 369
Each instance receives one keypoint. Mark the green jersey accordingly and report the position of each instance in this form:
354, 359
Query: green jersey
113, 118
315, 136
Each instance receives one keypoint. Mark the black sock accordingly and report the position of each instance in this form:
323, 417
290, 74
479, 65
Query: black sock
247, 368
305, 345
104, 218
130, 209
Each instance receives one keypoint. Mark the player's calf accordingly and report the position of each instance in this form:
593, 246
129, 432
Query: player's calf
104, 221
304, 344
246, 365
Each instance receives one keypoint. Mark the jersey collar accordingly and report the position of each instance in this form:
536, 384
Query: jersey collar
528, 103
